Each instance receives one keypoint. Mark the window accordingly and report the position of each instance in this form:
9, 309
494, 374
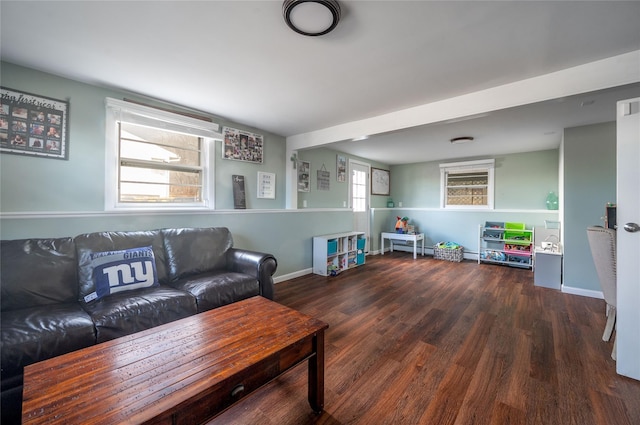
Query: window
358, 190
467, 184
156, 159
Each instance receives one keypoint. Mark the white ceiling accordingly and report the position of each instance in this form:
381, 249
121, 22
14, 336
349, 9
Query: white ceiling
238, 60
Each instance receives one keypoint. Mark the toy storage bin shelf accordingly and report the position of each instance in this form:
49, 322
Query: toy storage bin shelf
509, 244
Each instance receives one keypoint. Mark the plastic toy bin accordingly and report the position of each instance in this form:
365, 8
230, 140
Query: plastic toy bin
490, 233
515, 237
514, 226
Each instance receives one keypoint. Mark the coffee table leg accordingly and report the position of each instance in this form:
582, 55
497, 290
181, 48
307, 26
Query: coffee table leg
316, 374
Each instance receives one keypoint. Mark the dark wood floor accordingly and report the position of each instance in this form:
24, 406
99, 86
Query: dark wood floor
433, 342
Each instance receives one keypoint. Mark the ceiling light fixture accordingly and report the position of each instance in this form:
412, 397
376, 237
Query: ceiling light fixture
311, 17
357, 139
457, 140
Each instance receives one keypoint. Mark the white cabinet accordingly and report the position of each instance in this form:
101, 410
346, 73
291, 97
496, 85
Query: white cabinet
335, 253
548, 270
505, 243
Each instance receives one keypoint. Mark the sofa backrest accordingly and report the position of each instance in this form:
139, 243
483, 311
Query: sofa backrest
88, 243
192, 251
36, 272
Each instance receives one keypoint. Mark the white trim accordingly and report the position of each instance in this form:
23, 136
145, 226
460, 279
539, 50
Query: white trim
470, 165
483, 165
293, 275
582, 292
140, 114
494, 211
30, 215
609, 72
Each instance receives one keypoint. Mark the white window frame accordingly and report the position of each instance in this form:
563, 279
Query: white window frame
121, 111
484, 165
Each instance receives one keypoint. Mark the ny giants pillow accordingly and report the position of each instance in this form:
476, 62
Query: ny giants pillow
126, 270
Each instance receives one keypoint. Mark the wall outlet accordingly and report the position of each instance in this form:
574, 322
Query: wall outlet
400, 204
304, 203
344, 204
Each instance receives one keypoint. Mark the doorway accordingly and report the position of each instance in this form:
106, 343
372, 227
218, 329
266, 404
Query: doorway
359, 197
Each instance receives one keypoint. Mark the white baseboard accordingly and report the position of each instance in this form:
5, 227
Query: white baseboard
469, 256
583, 292
288, 276
427, 251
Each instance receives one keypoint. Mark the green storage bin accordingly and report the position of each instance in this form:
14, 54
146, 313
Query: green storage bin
516, 236
514, 226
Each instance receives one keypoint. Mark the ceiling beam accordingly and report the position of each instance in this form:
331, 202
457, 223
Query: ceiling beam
606, 73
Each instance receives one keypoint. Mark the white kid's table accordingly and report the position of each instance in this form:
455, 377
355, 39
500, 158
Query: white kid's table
402, 237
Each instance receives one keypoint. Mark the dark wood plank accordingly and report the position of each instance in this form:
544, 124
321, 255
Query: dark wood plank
431, 342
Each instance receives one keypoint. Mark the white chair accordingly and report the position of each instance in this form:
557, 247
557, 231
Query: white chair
603, 249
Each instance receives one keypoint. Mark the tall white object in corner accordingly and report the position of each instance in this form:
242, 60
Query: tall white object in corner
628, 212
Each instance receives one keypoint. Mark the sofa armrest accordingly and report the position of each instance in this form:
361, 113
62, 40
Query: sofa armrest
257, 264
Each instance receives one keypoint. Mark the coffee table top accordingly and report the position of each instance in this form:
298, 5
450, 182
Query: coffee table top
137, 377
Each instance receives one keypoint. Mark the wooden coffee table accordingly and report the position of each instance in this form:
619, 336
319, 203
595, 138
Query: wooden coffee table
184, 372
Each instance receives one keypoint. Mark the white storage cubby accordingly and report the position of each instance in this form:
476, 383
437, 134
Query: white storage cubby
335, 253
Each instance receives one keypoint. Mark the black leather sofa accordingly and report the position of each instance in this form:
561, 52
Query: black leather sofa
48, 285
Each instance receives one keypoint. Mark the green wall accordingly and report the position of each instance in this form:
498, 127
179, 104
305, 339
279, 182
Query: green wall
522, 181
326, 159
41, 197
287, 234
589, 183
41, 184
454, 226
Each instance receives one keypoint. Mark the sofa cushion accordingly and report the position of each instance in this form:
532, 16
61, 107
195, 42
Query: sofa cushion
126, 270
193, 251
88, 243
124, 313
37, 333
218, 288
37, 272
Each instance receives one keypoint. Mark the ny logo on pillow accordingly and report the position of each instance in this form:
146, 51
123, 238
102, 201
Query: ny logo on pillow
117, 271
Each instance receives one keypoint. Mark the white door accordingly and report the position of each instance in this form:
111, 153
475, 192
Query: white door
359, 197
628, 248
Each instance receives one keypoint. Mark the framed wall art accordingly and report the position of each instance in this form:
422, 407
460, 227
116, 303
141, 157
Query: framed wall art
304, 176
380, 180
266, 185
33, 125
341, 168
323, 179
242, 146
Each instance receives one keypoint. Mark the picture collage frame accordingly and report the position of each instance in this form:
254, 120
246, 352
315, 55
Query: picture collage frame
242, 145
33, 125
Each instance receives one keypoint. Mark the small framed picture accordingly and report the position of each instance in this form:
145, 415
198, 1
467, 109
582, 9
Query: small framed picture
304, 176
341, 168
380, 184
266, 185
